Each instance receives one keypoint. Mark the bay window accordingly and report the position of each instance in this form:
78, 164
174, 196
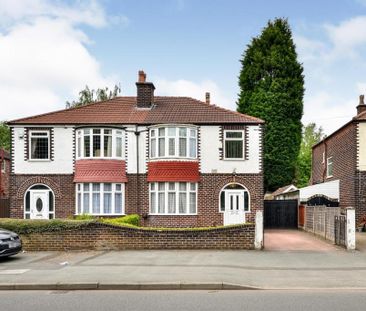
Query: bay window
100, 198
173, 142
99, 143
173, 198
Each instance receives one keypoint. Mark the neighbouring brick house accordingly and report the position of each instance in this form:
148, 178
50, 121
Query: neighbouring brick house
4, 174
176, 161
339, 161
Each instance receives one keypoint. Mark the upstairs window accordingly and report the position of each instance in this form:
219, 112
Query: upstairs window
39, 142
99, 143
330, 167
173, 142
234, 145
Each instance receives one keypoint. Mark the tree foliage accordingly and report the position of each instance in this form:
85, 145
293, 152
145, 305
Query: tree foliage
4, 136
272, 88
311, 135
88, 96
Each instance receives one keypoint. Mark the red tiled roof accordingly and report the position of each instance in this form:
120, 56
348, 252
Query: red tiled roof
173, 171
100, 171
122, 110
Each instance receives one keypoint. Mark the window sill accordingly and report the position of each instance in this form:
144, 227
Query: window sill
173, 214
101, 215
101, 158
222, 212
233, 159
39, 160
331, 176
173, 159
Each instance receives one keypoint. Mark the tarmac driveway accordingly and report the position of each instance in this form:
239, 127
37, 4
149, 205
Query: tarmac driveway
295, 240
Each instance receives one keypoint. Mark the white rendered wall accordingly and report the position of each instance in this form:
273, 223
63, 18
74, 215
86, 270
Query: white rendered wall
63, 154
210, 154
361, 132
131, 151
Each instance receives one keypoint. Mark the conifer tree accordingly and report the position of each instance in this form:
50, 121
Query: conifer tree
272, 87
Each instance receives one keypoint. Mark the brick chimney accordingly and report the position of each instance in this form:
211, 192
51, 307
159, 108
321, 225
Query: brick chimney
145, 91
361, 106
208, 98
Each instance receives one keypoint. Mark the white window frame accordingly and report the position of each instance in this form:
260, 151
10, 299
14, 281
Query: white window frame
30, 144
233, 139
176, 137
115, 133
101, 199
329, 160
177, 192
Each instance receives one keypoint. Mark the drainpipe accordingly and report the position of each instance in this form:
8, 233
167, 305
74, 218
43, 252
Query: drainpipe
137, 134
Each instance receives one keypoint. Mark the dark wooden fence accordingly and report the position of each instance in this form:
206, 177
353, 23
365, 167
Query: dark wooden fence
4, 208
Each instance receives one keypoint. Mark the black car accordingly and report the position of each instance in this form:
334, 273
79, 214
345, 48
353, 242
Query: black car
10, 243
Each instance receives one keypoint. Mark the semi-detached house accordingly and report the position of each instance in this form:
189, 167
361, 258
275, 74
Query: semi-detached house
176, 161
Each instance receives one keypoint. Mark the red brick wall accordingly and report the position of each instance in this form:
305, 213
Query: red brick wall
106, 237
208, 200
342, 146
137, 198
5, 180
61, 185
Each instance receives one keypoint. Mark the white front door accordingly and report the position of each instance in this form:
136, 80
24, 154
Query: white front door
234, 207
39, 208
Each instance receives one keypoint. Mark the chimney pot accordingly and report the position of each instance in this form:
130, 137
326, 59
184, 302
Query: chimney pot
208, 98
142, 76
361, 106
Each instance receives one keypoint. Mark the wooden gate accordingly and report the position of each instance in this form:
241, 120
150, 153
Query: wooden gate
280, 214
340, 230
4, 208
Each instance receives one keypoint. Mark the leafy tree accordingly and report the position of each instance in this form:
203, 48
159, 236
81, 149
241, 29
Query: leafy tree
88, 96
311, 135
4, 136
272, 88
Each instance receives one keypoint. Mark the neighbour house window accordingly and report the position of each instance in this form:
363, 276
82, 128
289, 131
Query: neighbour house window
39, 142
323, 158
330, 167
173, 198
99, 198
173, 142
234, 145
3, 166
99, 143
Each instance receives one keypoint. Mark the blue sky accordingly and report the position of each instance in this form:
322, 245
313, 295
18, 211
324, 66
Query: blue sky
50, 49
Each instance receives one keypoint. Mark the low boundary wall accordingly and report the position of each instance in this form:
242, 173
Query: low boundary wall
99, 236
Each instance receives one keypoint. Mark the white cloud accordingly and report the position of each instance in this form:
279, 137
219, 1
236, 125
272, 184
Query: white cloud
348, 35
44, 57
195, 90
333, 71
83, 12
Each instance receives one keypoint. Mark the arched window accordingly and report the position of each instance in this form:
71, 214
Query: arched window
234, 196
39, 203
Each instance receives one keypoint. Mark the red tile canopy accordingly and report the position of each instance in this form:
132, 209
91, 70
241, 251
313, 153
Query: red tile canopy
187, 171
100, 171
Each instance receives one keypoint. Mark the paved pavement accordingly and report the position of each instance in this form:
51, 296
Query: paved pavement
182, 300
295, 240
185, 269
